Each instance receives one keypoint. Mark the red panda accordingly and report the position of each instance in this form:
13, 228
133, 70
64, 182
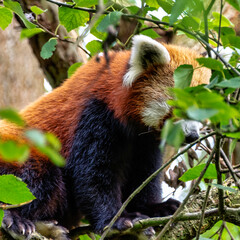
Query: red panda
98, 115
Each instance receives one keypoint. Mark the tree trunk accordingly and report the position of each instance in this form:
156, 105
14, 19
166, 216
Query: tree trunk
54, 68
21, 79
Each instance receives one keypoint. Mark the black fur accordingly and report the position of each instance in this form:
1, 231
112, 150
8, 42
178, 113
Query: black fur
107, 162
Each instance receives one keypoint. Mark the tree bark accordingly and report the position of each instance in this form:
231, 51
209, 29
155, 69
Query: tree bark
54, 68
186, 224
21, 79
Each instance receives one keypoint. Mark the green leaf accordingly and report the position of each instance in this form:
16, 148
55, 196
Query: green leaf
6, 17
183, 76
28, 33
177, 9
166, 6
226, 32
234, 41
48, 48
191, 22
16, 7
53, 155
13, 151
224, 187
125, 3
11, 116
53, 141
235, 135
150, 33
37, 10
40, 140
84, 3
1, 216
111, 19
13, 190
72, 18
234, 3
211, 100
72, 69
36, 137
224, 21
201, 114
231, 83
203, 238
193, 173
232, 145
172, 134
152, 3
94, 47
84, 237
210, 63
95, 32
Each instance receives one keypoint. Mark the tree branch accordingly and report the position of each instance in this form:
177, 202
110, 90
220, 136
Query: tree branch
187, 222
157, 22
147, 181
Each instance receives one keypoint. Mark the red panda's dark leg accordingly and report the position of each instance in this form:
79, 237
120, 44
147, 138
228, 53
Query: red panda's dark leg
98, 165
46, 183
147, 159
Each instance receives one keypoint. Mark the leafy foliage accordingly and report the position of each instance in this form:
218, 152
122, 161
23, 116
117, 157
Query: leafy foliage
47, 144
12, 116
110, 19
6, 17
193, 173
73, 68
16, 8
71, 18
216, 103
17, 193
183, 76
13, 151
48, 48
28, 33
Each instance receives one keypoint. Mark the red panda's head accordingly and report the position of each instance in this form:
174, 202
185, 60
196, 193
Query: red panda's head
150, 75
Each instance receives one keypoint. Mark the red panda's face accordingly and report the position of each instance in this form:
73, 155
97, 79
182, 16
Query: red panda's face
150, 76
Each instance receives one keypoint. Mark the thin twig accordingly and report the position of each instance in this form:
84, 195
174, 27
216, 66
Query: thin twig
205, 16
61, 4
221, 231
62, 39
170, 222
203, 212
152, 176
152, 222
230, 168
229, 233
219, 174
219, 28
4, 206
157, 22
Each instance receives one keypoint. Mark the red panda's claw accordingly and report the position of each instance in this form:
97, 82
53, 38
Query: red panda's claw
16, 226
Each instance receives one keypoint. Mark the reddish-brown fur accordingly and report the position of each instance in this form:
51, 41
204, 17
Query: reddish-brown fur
58, 112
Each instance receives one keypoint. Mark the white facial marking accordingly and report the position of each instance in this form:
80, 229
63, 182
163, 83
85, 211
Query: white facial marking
154, 112
189, 126
141, 46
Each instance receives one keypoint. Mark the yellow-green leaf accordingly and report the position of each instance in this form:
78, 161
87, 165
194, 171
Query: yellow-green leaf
6, 17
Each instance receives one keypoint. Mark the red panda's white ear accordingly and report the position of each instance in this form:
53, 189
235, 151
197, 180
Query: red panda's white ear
145, 52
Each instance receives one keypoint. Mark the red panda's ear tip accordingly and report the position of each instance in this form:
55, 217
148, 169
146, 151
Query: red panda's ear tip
147, 47
144, 52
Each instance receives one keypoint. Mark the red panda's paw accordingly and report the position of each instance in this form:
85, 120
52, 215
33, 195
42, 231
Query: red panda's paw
52, 230
127, 221
164, 209
17, 227
125, 224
